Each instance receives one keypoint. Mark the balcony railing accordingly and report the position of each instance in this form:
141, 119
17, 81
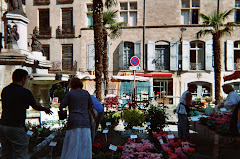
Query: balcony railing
237, 66
65, 1
196, 66
58, 66
65, 32
45, 32
41, 2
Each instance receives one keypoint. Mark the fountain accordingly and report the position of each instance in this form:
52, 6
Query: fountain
16, 55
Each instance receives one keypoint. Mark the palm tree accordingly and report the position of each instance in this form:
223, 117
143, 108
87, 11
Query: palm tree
217, 30
112, 29
98, 41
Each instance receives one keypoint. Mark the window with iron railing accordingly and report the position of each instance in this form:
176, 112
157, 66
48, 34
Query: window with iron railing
44, 24
67, 29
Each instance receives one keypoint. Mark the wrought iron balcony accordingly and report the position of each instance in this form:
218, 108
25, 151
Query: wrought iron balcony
65, 32
65, 1
41, 2
66, 67
196, 66
45, 32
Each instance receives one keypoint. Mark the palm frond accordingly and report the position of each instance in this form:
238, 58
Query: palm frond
115, 30
109, 17
204, 32
110, 3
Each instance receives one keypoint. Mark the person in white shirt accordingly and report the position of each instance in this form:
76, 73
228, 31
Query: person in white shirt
232, 99
183, 110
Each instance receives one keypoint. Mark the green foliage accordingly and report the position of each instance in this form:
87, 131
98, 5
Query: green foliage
112, 117
134, 117
156, 115
59, 92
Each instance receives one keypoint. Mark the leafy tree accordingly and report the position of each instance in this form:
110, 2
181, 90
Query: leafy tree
216, 27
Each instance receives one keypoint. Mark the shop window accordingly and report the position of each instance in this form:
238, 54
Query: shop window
237, 55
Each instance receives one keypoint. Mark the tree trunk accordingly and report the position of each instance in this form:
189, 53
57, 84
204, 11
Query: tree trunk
98, 41
217, 65
105, 61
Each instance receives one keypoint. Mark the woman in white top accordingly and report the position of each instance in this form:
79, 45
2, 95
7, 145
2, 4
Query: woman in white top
183, 110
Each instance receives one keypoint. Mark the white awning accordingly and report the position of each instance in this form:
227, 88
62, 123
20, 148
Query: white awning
131, 78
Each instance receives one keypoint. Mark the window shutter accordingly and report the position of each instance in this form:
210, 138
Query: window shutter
230, 55
121, 55
67, 18
67, 56
108, 52
137, 50
91, 56
151, 55
174, 55
44, 18
209, 55
185, 55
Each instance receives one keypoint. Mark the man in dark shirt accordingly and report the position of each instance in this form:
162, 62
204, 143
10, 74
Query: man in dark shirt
15, 100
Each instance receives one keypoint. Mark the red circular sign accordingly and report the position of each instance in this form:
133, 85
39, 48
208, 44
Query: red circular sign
134, 61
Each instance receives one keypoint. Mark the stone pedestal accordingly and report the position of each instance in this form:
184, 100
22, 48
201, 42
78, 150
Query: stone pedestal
21, 22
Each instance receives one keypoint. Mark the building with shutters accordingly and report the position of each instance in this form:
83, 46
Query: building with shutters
161, 33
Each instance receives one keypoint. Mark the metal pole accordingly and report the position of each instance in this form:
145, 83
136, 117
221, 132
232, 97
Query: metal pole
144, 28
217, 7
134, 74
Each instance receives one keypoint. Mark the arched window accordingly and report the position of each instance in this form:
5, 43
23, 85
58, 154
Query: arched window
197, 55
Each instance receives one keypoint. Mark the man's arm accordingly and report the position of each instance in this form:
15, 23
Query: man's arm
38, 107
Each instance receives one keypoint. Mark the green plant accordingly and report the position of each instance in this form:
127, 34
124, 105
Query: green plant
59, 92
111, 117
156, 116
134, 117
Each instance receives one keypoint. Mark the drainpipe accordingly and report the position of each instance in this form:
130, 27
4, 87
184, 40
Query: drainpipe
144, 27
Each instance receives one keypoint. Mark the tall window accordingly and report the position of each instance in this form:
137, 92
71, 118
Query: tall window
189, 11
128, 13
197, 56
237, 10
67, 20
162, 56
127, 51
46, 51
44, 21
237, 54
89, 15
67, 57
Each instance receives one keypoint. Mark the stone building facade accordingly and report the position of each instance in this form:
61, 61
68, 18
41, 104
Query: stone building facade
162, 33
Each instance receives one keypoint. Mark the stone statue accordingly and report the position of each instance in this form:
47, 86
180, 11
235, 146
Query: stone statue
15, 5
12, 35
36, 44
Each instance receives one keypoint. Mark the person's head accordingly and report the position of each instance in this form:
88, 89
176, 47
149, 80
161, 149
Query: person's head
192, 87
227, 88
19, 76
75, 83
